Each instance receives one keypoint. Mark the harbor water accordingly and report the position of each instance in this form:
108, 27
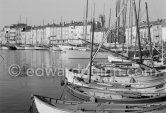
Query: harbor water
16, 90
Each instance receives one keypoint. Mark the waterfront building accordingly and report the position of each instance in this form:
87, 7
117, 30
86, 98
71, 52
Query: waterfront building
3, 39
99, 35
164, 31
77, 32
156, 28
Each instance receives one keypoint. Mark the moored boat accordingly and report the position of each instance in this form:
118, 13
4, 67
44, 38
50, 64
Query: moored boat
20, 47
40, 48
4, 48
86, 95
51, 105
55, 48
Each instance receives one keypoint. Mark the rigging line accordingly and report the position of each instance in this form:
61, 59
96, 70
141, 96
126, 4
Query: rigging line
2, 59
62, 92
106, 35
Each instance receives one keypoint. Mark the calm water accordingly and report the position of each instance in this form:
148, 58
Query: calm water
15, 92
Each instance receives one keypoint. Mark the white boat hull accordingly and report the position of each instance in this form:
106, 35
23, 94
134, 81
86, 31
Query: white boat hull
142, 84
116, 59
29, 48
43, 107
65, 47
54, 48
20, 47
4, 48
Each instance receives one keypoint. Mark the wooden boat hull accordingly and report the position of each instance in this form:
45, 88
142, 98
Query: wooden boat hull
11, 47
123, 79
44, 107
51, 105
84, 96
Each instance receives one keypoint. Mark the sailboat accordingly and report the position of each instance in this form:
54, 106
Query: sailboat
143, 87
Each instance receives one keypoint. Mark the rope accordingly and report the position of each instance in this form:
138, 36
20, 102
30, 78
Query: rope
63, 91
2, 58
31, 106
106, 35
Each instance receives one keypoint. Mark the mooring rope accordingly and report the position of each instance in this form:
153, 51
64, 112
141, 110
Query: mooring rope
30, 110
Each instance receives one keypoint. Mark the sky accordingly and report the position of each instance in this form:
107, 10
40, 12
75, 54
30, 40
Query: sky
37, 11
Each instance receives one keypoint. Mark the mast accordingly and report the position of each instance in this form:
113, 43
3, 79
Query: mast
25, 31
32, 35
36, 34
138, 33
116, 26
53, 33
92, 42
61, 30
118, 21
109, 19
131, 21
124, 25
43, 32
91, 58
149, 34
86, 17
18, 32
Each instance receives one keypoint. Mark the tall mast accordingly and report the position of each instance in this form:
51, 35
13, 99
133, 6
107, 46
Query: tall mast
116, 26
149, 34
138, 33
61, 29
32, 35
26, 32
36, 34
131, 21
118, 21
103, 20
109, 19
91, 58
124, 24
43, 32
92, 41
53, 33
86, 17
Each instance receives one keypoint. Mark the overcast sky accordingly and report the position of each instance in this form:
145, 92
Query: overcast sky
48, 10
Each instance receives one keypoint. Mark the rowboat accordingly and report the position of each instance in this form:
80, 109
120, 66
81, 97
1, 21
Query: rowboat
51, 105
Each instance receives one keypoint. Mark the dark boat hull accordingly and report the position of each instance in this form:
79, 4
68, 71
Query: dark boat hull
12, 47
